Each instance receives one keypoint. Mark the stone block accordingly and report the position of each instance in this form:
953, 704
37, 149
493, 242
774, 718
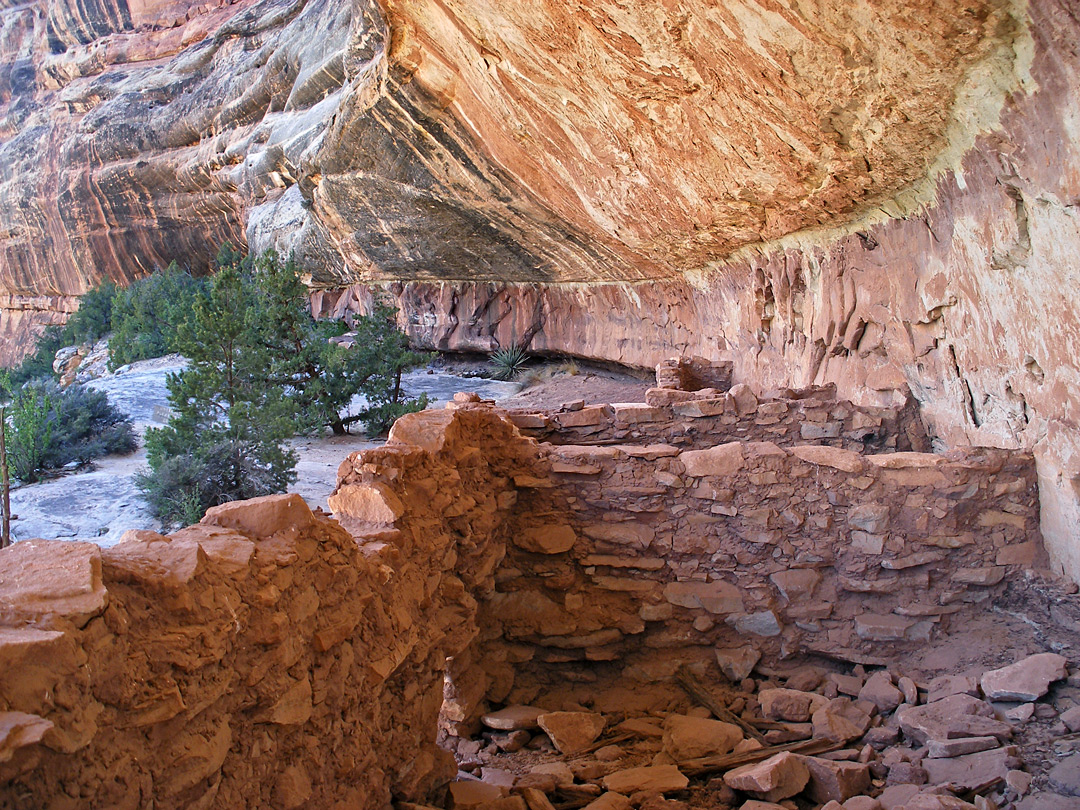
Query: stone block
553, 539
692, 737
46, 580
836, 781
723, 460
374, 503
589, 416
872, 518
778, 777
571, 731
717, 597
696, 408
844, 460
631, 534
744, 400
657, 778
639, 413
763, 623
813, 430
1026, 680
796, 584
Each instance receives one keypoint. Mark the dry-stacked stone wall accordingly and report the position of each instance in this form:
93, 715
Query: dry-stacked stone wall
266, 658
709, 416
273, 657
646, 554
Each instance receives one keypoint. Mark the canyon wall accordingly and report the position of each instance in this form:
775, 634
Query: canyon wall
877, 195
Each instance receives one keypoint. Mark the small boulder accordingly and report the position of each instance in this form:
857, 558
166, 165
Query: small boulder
779, 777
1065, 776
937, 801
836, 781
951, 717
789, 704
840, 720
737, 662
469, 794
880, 691
513, 718
948, 685
1025, 680
970, 771
692, 737
571, 732
609, 801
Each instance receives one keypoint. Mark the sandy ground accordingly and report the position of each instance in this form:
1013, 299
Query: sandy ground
101, 503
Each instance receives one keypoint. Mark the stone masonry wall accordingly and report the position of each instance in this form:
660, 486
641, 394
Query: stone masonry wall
706, 417
265, 658
272, 657
648, 555
644, 555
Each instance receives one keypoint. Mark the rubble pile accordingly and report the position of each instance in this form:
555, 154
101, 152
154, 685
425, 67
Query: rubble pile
805, 736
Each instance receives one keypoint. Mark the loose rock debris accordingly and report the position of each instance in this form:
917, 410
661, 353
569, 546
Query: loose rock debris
810, 735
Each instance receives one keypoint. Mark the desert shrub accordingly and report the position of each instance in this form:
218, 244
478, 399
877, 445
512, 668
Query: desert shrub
180, 488
51, 427
86, 426
146, 316
93, 319
30, 431
507, 363
88, 324
39, 363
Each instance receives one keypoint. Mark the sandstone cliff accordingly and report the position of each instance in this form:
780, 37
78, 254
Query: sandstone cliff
881, 195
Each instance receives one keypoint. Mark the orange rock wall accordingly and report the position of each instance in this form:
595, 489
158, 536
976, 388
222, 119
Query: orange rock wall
265, 658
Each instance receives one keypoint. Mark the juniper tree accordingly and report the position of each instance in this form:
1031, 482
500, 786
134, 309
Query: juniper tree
260, 370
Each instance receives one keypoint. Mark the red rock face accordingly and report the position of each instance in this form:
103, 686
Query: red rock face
878, 195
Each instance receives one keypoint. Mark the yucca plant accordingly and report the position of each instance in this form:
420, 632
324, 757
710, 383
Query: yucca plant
508, 362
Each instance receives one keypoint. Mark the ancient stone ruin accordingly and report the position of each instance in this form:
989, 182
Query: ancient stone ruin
707, 600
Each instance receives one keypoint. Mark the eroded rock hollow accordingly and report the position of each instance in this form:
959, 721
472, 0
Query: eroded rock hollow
878, 195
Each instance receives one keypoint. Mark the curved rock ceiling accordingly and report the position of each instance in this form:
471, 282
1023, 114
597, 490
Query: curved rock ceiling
528, 141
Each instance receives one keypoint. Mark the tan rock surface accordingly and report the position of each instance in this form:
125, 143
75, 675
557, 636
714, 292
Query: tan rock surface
571, 731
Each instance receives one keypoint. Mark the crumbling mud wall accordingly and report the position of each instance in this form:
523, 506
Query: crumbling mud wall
273, 657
